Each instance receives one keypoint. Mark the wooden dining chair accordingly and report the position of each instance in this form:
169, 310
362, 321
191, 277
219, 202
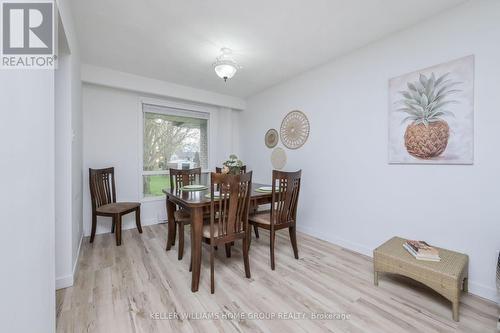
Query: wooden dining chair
103, 199
228, 216
253, 204
283, 213
243, 169
182, 216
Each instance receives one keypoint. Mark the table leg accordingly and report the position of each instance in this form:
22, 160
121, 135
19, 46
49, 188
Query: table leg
196, 233
171, 223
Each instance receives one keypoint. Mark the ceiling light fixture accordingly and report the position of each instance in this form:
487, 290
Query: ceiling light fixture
225, 66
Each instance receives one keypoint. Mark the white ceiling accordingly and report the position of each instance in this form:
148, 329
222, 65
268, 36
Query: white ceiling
178, 40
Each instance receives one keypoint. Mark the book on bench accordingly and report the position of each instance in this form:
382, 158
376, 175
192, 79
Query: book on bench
421, 250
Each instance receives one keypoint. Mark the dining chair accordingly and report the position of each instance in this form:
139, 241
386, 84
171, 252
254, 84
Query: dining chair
228, 216
283, 213
103, 199
253, 204
182, 216
243, 169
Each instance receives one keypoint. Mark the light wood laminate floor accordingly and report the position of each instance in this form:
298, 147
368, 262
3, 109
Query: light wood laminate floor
118, 289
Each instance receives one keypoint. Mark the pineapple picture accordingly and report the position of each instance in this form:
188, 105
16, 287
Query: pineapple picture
431, 115
425, 103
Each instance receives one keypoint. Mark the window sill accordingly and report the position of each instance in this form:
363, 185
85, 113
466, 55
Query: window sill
153, 199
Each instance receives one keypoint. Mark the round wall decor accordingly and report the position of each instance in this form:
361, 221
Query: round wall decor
278, 158
271, 138
294, 129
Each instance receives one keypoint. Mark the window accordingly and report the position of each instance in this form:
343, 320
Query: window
172, 138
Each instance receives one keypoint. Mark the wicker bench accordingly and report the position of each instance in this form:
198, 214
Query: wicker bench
448, 277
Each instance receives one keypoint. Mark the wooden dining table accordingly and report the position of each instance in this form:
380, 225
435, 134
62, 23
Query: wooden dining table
198, 202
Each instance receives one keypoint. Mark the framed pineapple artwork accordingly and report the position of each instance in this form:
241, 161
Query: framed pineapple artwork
431, 115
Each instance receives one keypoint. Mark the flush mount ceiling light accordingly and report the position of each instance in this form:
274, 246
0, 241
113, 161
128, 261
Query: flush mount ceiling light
225, 66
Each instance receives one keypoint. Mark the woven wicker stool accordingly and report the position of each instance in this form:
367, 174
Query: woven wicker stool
447, 277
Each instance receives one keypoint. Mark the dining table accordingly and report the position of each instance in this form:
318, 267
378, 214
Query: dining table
198, 203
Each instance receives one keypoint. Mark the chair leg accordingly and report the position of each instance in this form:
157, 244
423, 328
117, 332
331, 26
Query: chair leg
94, 225
256, 230
228, 250
138, 219
272, 234
175, 231
245, 257
249, 238
112, 227
181, 240
118, 231
293, 239
170, 224
191, 264
212, 280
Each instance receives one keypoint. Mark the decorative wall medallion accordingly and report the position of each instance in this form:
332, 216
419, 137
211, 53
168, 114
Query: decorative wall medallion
278, 158
271, 138
294, 129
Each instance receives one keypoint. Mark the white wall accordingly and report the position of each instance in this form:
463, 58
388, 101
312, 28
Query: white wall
115, 79
69, 151
76, 155
350, 195
112, 137
62, 165
27, 201
27, 241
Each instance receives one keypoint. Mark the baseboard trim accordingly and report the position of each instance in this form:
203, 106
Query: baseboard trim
68, 280
64, 282
356, 247
475, 288
483, 291
77, 261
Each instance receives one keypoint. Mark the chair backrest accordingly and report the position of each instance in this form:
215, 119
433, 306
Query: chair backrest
243, 169
285, 195
229, 211
183, 177
102, 187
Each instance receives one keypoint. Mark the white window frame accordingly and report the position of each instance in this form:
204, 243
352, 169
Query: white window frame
176, 109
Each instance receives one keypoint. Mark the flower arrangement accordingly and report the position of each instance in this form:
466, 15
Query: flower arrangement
232, 165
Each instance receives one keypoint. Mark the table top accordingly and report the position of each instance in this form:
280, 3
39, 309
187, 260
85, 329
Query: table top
198, 198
